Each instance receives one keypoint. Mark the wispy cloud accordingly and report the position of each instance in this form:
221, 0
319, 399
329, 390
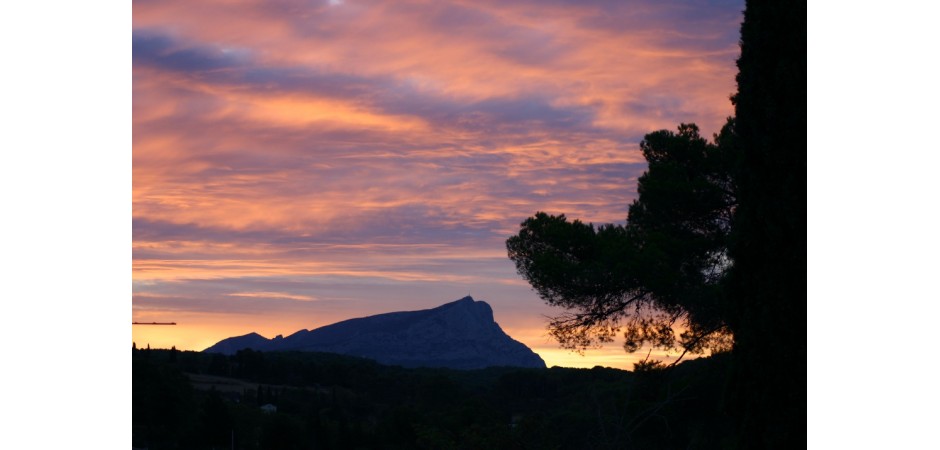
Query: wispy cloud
284, 295
344, 151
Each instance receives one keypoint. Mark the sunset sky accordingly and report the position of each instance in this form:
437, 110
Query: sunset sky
568, 89
297, 163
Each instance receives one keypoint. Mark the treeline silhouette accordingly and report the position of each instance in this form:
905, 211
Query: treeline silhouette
328, 401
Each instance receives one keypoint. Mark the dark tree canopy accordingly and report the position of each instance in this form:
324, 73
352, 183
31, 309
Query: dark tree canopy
666, 266
716, 239
768, 287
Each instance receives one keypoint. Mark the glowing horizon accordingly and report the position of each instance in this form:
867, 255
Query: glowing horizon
186, 337
300, 163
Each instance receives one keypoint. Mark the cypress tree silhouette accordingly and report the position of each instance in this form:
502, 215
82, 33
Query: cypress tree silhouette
768, 281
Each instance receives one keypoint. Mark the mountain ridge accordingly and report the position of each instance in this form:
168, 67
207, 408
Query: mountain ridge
461, 335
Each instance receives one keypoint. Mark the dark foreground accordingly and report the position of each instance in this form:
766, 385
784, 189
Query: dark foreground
190, 400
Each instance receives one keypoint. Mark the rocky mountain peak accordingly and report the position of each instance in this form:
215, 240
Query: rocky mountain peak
461, 334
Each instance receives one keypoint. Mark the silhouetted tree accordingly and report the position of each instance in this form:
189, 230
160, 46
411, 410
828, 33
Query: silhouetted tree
667, 265
768, 283
717, 237
249, 363
218, 365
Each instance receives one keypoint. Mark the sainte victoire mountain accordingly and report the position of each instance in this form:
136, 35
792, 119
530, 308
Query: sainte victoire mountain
457, 335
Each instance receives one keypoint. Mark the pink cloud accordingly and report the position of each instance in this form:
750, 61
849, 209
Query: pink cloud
396, 144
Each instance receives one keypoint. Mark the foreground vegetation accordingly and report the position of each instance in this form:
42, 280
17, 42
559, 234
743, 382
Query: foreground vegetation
325, 401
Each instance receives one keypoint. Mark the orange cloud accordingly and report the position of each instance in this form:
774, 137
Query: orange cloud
358, 151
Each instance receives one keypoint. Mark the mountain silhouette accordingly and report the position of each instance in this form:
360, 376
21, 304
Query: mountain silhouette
458, 335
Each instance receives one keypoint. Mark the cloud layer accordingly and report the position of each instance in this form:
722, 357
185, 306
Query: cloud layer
299, 162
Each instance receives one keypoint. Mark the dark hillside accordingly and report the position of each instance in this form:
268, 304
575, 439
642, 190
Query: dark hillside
197, 400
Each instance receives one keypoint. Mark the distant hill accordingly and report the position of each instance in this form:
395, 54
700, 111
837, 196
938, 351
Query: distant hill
457, 335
